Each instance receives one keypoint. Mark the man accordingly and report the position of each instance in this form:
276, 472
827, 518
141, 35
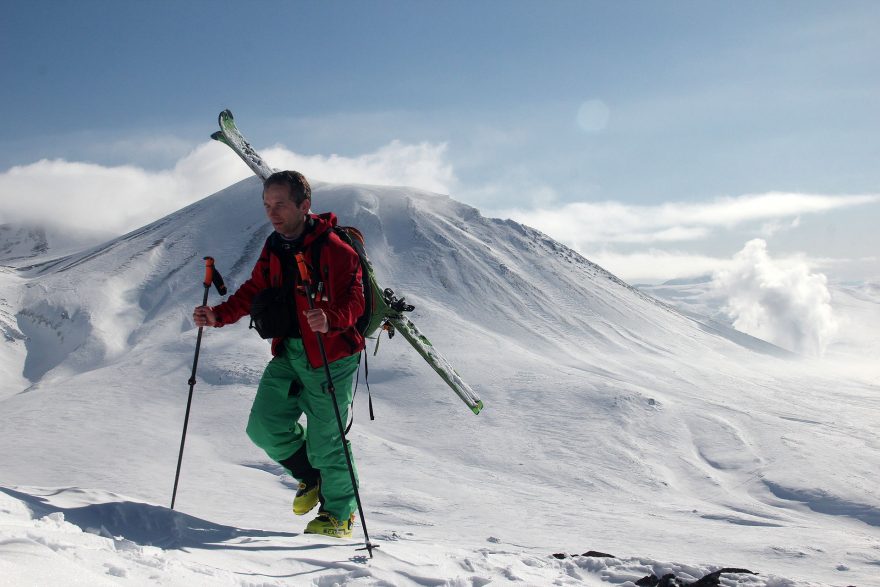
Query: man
294, 382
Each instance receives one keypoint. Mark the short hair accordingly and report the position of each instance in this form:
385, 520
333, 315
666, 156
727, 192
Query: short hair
297, 185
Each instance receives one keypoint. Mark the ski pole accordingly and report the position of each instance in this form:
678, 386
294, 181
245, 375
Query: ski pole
212, 276
331, 389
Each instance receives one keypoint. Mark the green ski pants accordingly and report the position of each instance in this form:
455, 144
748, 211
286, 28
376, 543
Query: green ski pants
290, 388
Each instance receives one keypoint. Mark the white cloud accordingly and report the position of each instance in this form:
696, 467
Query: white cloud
63, 193
782, 302
59, 193
580, 224
655, 265
730, 211
774, 227
422, 166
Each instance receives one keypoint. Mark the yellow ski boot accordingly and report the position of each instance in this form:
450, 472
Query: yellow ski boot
328, 525
307, 497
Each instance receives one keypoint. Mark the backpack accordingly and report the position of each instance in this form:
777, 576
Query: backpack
375, 308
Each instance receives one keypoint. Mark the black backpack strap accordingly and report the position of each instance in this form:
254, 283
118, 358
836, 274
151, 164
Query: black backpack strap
316, 247
357, 381
354, 393
367, 381
267, 248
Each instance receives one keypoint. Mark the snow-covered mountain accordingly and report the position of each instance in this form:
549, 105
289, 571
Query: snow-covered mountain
613, 422
19, 242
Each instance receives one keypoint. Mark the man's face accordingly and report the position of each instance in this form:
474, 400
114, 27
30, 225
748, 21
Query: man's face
286, 216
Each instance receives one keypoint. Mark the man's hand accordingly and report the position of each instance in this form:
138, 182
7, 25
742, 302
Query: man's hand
317, 320
204, 316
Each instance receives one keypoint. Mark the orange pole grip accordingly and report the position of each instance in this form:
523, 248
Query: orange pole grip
303, 270
209, 271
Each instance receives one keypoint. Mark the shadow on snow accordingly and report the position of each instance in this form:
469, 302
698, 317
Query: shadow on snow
151, 525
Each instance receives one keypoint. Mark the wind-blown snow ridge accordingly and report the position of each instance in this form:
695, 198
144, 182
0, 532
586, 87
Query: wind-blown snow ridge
612, 421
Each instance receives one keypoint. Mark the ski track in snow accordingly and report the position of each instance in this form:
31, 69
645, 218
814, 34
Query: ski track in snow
613, 421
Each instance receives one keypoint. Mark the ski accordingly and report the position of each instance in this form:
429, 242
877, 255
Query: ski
438, 362
390, 309
230, 136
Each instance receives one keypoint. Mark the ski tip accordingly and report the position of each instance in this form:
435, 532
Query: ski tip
476, 409
219, 136
225, 115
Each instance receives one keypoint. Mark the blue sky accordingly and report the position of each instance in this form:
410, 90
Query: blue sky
590, 120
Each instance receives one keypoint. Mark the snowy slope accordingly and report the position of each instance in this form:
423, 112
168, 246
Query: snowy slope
856, 309
612, 422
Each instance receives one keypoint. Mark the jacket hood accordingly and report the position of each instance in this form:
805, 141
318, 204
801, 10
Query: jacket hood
321, 223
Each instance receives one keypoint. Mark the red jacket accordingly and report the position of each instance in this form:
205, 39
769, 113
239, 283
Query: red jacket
342, 300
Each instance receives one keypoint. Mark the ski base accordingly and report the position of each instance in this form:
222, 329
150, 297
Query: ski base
438, 362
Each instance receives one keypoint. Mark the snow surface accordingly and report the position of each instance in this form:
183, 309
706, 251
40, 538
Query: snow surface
612, 422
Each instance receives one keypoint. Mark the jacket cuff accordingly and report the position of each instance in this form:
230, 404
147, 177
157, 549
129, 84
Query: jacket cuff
218, 317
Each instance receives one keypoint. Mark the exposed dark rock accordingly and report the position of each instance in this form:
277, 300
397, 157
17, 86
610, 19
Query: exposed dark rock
598, 554
595, 553
670, 580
